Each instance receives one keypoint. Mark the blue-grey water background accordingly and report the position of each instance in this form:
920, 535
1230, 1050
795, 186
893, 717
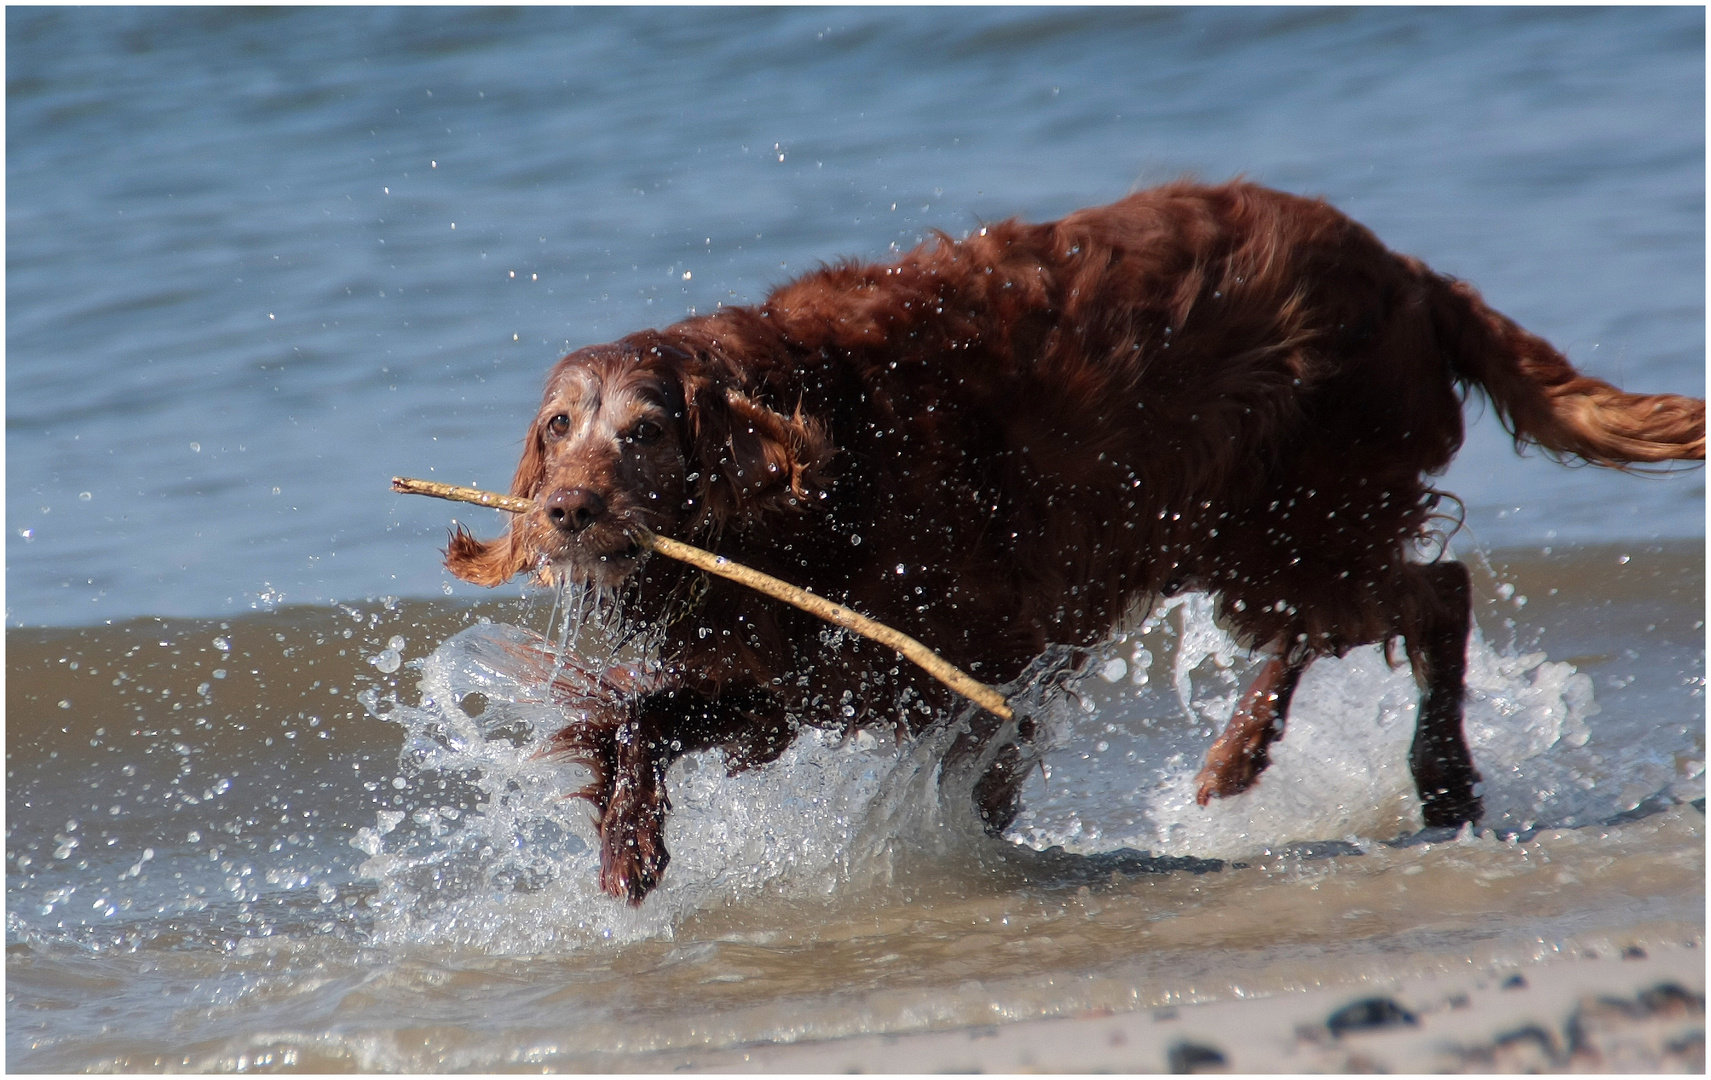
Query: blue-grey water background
260, 261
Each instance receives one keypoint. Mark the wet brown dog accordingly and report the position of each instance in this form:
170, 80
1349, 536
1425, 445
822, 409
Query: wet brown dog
1005, 441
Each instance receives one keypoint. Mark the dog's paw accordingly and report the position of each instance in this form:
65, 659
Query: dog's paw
1451, 806
1232, 766
632, 855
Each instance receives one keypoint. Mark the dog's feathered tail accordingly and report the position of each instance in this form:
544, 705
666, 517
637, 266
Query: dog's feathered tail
1543, 400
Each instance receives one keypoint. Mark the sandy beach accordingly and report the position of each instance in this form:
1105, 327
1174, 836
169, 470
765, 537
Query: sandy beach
1634, 1009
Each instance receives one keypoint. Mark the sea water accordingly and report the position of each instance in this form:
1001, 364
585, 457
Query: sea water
260, 841
273, 791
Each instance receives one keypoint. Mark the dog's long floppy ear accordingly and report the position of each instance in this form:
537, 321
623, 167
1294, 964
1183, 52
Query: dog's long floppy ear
496, 561
751, 459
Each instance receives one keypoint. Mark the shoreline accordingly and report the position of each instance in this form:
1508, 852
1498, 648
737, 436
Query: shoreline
1637, 1010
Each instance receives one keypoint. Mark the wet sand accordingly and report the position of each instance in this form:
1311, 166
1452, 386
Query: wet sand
1635, 1009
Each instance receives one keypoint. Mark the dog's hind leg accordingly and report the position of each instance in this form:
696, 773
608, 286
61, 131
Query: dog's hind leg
1442, 765
1242, 752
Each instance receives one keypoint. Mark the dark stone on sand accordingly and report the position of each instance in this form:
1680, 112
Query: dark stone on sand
1671, 997
1187, 1057
1528, 1049
1515, 982
1611, 1034
1369, 1014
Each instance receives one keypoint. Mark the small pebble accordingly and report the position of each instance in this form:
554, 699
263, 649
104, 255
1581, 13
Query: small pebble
1369, 1014
1187, 1057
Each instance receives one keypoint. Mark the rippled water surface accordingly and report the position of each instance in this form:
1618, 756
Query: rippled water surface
270, 794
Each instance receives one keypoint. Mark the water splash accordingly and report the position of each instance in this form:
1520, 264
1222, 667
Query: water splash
486, 851
1341, 772
592, 622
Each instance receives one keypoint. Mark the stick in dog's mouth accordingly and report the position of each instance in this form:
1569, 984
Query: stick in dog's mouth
836, 614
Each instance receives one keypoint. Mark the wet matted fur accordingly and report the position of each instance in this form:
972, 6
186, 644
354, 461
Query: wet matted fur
1006, 441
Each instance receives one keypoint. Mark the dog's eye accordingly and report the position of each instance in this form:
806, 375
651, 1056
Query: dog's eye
558, 426
645, 431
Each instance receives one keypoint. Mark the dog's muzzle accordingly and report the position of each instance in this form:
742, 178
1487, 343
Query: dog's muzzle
573, 510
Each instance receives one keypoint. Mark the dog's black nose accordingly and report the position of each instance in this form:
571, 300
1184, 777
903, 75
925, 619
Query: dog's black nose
573, 509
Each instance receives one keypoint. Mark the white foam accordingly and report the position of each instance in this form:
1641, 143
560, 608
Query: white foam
1340, 772
519, 871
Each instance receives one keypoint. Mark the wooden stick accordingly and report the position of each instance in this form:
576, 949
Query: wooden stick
457, 493
838, 615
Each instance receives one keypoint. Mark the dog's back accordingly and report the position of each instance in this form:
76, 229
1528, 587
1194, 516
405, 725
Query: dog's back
1228, 387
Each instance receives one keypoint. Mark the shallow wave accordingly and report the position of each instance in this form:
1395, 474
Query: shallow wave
488, 852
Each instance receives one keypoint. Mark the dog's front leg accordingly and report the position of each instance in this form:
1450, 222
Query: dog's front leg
619, 742
630, 763
632, 814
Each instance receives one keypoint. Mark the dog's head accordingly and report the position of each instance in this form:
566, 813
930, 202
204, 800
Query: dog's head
653, 432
